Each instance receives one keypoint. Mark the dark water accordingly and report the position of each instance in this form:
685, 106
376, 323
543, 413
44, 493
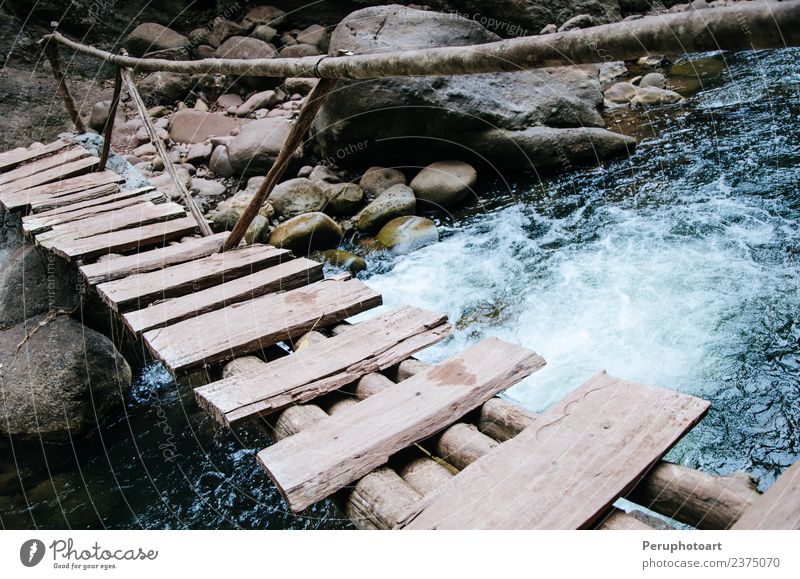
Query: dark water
678, 267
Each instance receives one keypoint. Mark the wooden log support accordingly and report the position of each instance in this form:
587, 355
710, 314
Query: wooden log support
295, 138
51, 51
108, 127
161, 149
779, 507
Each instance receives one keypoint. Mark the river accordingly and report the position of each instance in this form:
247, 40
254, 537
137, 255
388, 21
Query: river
677, 267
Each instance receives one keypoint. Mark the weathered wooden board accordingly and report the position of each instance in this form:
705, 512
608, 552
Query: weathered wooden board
139, 291
39, 222
126, 239
567, 468
255, 324
778, 508
62, 172
152, 260
40, 165
283, 277
67, 191
369, 346
339, 450
134, 216
11, 159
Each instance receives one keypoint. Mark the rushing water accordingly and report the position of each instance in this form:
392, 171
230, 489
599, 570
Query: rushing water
676, 267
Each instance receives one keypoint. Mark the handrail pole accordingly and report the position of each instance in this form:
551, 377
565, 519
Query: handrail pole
109, 124
51, 51
315, 100
161, 149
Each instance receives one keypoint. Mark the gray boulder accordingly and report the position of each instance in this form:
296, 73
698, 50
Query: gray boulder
342, 199
151, 37
295, 197
376, 180
396, 201
404, 120
219, 163
63, 380
246, 47
99, 115
165, 87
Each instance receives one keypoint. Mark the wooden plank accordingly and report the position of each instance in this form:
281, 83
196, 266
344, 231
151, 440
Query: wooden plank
66, 191
283, 277
138, 291
40, 165
370, 346
97, 194
11, 159
778, 508
39, 222
152, 260
255, 324
344, 447
125, 240
567, 468
59, 173
135, 216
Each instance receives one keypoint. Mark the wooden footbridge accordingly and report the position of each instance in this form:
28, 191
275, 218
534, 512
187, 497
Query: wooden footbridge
397, 443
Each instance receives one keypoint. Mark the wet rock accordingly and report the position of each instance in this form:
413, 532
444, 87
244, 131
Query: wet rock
255, 148
608, 71
264, 32
307, 232
219, 162
653, 61
653, 79
342, 199
407, 234
165, 87
97, 120
343, 259
31, 285
396, 201
64, 379
376, 180
258, 231
445, 183
652, 96
298, 51
190, 126
295, 197
576, 22
199, 153
261, 100
620, 93
264, 15
150, 37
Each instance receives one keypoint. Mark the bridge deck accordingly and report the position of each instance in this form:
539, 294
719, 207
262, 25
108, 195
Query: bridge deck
195, 308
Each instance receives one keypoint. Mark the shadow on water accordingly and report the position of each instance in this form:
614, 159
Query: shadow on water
677, 266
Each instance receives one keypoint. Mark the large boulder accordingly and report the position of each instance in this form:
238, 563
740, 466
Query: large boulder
61, 381
192, 126
307, 232
31, 285
158, 88
255, 148
397, 200
422, 119
248, 48
152, 37
407, 234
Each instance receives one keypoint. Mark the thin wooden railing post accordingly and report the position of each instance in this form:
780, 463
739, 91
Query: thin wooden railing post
51, 51
109, 124
295, 138
161, 149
